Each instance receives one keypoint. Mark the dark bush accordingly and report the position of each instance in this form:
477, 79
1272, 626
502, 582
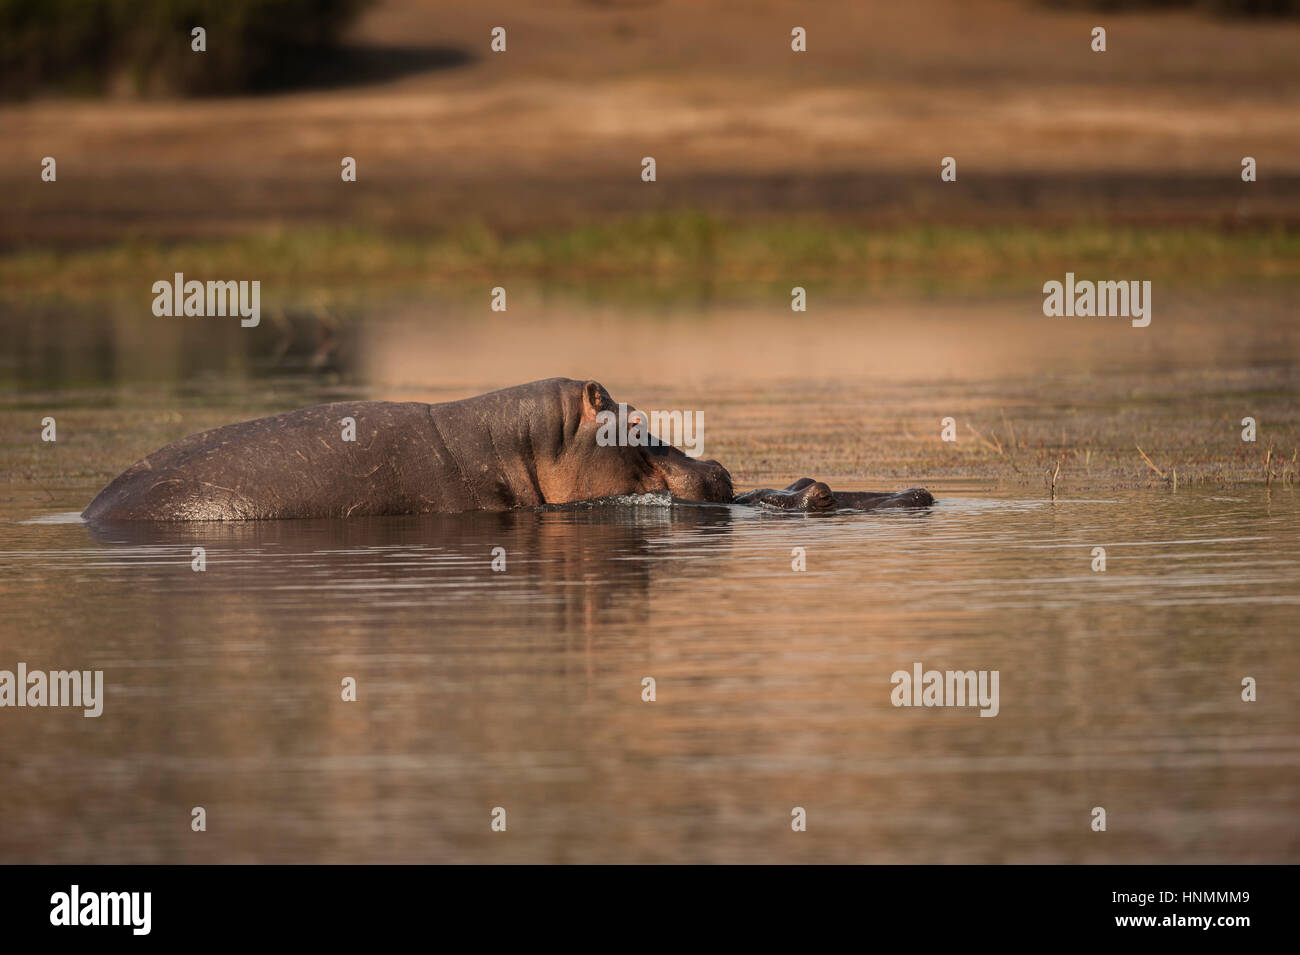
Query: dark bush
143, 46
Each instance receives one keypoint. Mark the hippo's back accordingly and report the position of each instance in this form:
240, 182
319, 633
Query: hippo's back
297, 464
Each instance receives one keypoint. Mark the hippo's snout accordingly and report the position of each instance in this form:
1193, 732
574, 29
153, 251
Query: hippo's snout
691, 480
915, 497
818, 497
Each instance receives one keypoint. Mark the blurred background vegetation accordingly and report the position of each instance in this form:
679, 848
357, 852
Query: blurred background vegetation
131, 46
472, 164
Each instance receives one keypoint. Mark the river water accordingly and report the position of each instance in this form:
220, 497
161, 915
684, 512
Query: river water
522, 688
517, 693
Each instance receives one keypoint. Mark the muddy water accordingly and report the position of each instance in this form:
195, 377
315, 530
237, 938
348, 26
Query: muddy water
522, 688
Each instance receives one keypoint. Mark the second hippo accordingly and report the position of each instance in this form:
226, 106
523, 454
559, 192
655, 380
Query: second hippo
806, 494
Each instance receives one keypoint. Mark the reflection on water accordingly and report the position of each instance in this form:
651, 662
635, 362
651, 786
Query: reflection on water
523, 688
456, 346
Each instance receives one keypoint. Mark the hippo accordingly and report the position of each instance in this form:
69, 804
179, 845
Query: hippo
806, 494
526, 446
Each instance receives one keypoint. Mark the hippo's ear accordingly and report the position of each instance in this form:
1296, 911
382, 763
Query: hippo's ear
595, 399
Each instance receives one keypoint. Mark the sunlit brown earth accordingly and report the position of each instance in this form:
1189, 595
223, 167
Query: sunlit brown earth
554, 130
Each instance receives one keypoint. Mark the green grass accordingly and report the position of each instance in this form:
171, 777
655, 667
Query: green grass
685, 247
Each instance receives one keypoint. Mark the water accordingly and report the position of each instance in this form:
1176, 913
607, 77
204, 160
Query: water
522, 689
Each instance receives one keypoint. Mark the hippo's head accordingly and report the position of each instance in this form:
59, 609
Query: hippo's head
815, 496
804, 494
590, 468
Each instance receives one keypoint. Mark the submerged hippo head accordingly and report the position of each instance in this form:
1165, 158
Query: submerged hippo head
810, 495
588, 465
804, 494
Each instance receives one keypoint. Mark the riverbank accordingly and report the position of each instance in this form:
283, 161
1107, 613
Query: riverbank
689, 246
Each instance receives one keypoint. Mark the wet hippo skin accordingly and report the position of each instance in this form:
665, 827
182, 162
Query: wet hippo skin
524, 446
806, 494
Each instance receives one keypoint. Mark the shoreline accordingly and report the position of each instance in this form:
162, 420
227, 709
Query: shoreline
688, 246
